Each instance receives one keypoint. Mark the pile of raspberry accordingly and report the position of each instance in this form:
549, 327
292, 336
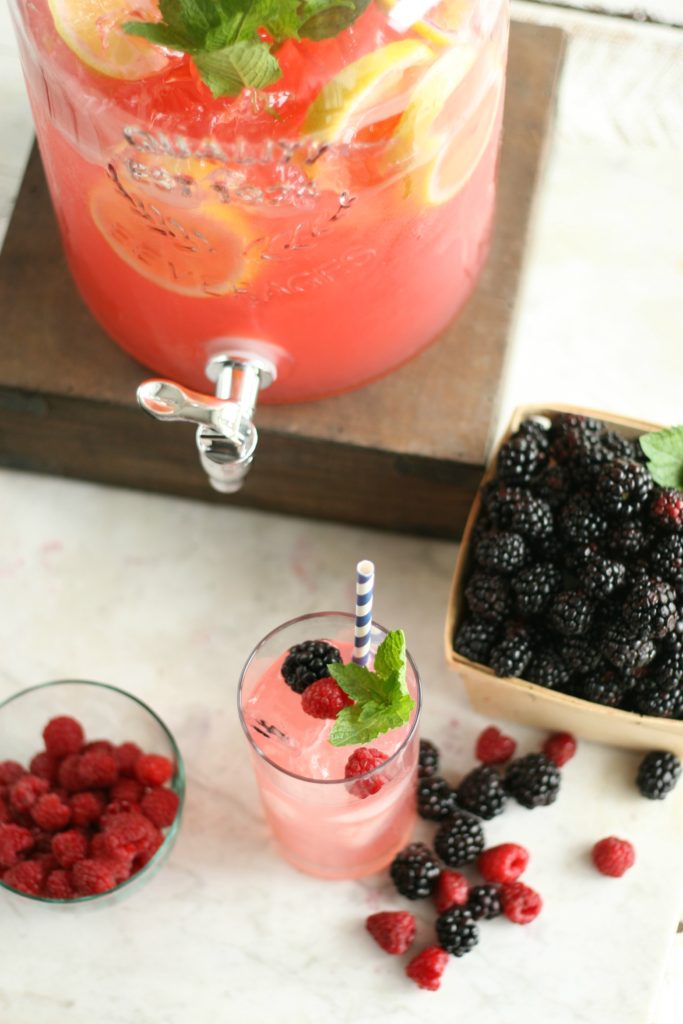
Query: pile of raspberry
83, 817
577, 569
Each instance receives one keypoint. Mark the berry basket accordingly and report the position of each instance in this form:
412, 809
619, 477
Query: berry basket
519, 700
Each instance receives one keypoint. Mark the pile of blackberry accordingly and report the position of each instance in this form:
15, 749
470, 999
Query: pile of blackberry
577, 578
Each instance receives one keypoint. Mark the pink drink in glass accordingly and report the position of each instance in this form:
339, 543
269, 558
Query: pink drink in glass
318, 819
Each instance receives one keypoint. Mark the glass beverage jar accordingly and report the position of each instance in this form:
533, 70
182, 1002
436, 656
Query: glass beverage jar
333, 220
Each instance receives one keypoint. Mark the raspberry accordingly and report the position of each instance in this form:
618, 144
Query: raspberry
452, 890
128, 831
99, 747
533, 781
69, 847
45, 766
484, 902
456, 931
51, 813
613, 856
160, 806
520, 903
494, 747
91, 877
481, 792
10, 771
324, 699
435, 798
63, 735
415, 871
362, 760
666, 509
69, 776
427, 967
58, 885
25, 877
307, 662
127, 755
504, 863
98, 768
153, 769
5, 815
120, 863
86, 808
127, 789
658, 773
13, 840
560, 748
394, 931
24, 793
428, 761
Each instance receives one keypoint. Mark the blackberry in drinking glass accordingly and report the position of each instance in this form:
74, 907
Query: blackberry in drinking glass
307, 662
532, 588
488, 596
415, 871
571, 613
459, 839
623, 487
600, 577
475, 639
534, 780
520, 459
658, 773
650, 608
456, 931
481, 792
484, 902
548, 669
511, 656
435, 798
428, 759
501, 551
580, 522
625, 649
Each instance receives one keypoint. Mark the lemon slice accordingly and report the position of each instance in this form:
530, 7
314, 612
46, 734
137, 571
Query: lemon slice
197, 253
443, 21
366, 92
92, 30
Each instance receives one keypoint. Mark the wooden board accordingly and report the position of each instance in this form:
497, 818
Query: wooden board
404, 453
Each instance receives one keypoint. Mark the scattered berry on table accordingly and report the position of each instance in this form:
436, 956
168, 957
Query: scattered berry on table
658, 773
362, 760
502, 552
457, 931
307, 662
426, 969
520, 903
394, 931
533, 780
482, 793
484, 902
494, 747
475, 638
428, 760
560, 748
415, 871
63, 735
436, 800
666, 510
452, 890
324, 699
488, 596
613, 856
503, 863
459, 840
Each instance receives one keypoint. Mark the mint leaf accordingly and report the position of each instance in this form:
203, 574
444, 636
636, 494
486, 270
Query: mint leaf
358, 682
664, 451
391, 655
321, 19
239, 65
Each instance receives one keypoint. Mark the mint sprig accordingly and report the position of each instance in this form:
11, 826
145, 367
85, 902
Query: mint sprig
381, 697
664, 451
224, 37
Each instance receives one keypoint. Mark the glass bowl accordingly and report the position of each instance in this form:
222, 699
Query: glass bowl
105, 712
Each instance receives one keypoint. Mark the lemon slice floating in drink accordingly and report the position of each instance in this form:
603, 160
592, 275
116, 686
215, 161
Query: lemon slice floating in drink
197, 252
368, 92
92, 30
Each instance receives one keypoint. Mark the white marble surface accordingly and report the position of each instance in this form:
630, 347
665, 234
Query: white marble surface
226, 931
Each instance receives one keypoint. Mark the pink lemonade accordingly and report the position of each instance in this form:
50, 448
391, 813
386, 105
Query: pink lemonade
334, 221
318, 820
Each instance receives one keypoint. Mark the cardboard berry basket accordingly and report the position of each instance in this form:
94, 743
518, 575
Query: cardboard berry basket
521, 701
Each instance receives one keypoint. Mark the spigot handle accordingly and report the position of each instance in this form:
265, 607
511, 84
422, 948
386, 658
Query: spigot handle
168, 401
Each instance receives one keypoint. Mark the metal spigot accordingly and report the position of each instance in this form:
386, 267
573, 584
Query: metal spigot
226, 436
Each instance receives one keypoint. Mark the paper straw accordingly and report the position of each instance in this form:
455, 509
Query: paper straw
362, 632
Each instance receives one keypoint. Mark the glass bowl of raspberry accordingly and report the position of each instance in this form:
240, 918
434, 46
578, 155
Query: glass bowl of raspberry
92, 787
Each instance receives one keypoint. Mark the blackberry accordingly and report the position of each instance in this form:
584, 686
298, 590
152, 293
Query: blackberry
520, 459
415, 871
435, 799
481, 792
553, 485
658, 773
571, 434
620, 447
673, 641
571, 613
459, 839
428, 759
533, 781
666, 509
533, 588
512, 655
625, 649
488, 596
548, 669
456, 931
475, 638
600, 577
484, 902
669, 669
627, 538
307, 662
580, 654
532, 517
499, 499
650, 608
650, 697
666, 558
571, 421
536, 429
605, 687
622, 487
501, 551
577, 556
580, 522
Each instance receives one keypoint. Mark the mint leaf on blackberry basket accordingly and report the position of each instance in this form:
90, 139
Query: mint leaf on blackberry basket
664, 452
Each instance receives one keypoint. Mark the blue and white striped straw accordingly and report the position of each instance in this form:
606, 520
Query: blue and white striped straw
362, 633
